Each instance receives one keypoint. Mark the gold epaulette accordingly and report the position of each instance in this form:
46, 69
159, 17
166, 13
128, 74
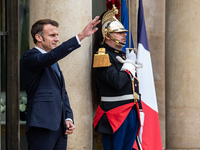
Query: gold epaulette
101, 59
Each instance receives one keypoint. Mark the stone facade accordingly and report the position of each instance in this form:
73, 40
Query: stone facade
172, 29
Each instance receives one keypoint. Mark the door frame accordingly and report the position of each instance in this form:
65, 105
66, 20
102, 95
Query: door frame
12, 73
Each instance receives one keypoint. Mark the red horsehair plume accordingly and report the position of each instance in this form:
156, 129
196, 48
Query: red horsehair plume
109, 6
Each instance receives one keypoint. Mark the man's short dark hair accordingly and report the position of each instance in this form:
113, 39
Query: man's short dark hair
38, 26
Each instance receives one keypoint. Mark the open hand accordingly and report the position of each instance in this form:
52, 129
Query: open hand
89, 29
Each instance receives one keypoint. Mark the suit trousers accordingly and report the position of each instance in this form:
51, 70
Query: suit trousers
124, 137
45, 139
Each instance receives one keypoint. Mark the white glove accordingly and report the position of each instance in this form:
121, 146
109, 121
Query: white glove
130, 54
141, 127
127, 65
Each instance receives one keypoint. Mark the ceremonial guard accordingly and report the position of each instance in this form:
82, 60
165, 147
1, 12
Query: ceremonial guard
115, 86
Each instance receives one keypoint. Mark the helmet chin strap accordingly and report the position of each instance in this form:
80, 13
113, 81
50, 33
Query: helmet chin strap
114, 39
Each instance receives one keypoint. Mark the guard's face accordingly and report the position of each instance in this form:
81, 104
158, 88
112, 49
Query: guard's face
120, 36
50, 37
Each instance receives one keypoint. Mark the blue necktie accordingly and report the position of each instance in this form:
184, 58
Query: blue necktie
55, 66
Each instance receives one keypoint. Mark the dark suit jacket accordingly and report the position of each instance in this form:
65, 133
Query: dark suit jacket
48, 102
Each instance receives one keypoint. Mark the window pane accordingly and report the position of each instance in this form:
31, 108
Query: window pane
3, 70
24, 45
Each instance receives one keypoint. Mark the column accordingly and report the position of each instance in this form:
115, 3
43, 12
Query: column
182, 74
72, 16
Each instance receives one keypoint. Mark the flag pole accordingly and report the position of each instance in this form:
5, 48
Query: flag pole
136, 10
129, 26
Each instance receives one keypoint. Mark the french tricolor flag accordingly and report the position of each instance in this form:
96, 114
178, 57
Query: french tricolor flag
151, 137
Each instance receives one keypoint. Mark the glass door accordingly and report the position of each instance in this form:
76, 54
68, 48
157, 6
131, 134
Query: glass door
24, 45
9, 79
3, 37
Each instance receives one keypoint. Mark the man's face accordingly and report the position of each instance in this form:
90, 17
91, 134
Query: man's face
49, 38
121, 37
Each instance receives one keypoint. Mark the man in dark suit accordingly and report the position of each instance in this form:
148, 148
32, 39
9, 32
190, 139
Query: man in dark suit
49, 115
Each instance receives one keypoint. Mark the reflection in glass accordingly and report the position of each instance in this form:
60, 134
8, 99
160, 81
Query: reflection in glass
24, 45
3, 69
